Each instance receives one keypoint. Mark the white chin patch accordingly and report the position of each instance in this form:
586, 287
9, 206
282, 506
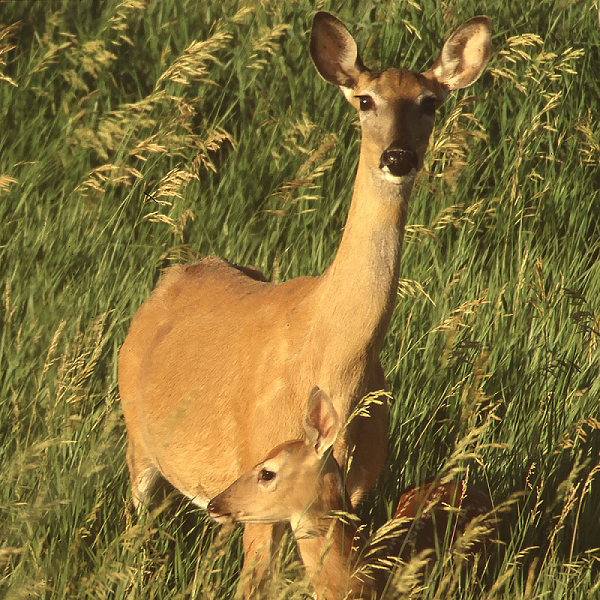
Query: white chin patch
395, 179
222, 520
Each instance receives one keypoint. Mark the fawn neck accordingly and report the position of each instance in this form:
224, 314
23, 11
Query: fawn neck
331, 554
331, 544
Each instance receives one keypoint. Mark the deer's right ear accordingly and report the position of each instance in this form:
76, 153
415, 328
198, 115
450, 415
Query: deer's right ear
321, 422
334, 51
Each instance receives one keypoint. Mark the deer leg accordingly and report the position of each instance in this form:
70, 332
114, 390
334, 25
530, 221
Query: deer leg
368, 444
144, 475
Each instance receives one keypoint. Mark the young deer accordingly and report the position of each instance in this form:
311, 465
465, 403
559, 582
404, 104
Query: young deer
216, 357
300, 482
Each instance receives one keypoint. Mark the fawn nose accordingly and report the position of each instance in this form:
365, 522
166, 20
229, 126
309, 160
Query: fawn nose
399, 161
213, 509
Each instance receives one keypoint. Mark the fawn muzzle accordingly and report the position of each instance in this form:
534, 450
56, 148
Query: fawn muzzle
218, 513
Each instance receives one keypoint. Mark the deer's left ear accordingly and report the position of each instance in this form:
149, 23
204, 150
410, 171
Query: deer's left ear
321, 422
464, 55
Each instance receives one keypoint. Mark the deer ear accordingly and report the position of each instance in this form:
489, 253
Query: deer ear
321, 422
334, 51
464, 55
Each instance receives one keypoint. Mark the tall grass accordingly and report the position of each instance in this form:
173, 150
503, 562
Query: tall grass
138, 134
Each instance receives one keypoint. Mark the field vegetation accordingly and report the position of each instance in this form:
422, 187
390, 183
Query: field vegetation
138, 134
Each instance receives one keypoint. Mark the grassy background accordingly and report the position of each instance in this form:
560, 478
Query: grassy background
214, 108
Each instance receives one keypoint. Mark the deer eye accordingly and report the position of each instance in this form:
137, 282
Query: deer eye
366, 103
429, 105
266, 475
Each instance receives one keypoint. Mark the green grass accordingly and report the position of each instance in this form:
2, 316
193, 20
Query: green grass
493, 354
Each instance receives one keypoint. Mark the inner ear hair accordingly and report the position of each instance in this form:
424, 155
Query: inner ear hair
321, 422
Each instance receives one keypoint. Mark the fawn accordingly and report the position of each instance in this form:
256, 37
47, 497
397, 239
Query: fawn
300, 482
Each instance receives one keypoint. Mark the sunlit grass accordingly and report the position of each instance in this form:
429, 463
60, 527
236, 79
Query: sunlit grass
136, 134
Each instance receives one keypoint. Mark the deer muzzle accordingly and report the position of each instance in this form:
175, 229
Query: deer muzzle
218, 513
399, 162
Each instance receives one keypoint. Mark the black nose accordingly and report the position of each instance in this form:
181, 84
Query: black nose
399, 161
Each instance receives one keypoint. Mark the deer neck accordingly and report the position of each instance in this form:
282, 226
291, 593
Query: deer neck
358, 290
330, 559
333, 553
331, 545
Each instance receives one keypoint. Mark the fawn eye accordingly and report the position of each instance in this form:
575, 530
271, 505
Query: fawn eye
266, 475
429, 105
366, 103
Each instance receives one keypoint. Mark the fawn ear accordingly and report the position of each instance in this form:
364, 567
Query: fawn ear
321, 422
334, 51
464, 55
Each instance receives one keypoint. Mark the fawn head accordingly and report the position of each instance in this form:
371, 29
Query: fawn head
296, 480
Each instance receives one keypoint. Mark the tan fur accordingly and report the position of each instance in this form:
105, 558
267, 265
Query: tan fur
216, 358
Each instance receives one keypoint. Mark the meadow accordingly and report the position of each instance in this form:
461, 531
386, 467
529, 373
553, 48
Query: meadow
139, 134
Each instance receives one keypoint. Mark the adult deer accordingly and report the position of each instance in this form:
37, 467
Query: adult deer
300, 481
216, 357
